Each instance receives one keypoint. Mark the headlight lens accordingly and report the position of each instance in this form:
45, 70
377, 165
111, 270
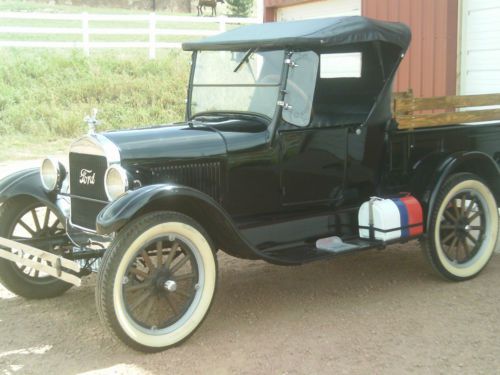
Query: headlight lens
115, 182
52, 173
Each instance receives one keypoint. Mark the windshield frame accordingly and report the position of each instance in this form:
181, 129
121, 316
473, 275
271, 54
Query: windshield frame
279, 84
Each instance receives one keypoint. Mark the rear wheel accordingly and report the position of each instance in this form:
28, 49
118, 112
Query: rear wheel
463, 228
28, 220
157, 281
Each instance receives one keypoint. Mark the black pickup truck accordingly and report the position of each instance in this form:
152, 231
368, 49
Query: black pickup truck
289, 153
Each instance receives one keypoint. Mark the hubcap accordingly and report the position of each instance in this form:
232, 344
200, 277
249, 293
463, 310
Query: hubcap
170, 285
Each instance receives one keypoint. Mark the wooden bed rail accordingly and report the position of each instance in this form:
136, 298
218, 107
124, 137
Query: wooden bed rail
404, 106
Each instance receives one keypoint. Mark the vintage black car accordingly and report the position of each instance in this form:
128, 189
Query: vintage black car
288, 138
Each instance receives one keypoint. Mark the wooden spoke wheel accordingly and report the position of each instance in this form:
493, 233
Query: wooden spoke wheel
463, 228
157, 281
30, 221
160, 283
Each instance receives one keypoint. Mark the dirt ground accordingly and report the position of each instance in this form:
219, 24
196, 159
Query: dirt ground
378, 312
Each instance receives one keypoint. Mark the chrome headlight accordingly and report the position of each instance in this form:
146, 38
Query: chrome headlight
115, 182
52, 173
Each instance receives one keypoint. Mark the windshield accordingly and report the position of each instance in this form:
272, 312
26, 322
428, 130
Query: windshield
226, 81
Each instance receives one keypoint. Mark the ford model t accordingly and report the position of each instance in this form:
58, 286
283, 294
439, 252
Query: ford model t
288, 137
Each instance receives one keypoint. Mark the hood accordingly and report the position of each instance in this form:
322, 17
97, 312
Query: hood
179, 141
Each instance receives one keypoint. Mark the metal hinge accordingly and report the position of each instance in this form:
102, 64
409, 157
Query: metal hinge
285, 106
291, 63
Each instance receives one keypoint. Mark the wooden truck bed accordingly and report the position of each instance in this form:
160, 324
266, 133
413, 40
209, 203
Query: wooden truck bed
411, 113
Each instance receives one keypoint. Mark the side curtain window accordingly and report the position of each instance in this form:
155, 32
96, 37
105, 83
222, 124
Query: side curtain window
300, 87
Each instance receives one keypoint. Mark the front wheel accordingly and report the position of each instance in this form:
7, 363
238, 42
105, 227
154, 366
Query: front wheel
157, 281
463, 228
28, 220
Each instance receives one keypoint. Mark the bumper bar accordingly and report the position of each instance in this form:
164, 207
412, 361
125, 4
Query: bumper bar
53, 265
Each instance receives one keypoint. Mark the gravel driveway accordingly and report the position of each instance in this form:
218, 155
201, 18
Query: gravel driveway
378, 312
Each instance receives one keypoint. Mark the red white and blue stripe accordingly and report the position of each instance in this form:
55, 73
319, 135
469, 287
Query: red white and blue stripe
410, 213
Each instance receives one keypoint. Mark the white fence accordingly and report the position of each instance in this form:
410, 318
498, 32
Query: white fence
85, 30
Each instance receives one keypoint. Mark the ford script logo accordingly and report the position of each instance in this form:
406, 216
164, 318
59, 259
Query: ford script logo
87, 177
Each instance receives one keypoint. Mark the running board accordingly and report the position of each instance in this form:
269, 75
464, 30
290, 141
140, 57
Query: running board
322, 249
57, 263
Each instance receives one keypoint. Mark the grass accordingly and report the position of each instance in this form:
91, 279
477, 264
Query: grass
29, 6
22, 147
44, 95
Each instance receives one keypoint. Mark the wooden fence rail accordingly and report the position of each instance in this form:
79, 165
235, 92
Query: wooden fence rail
85, 30
405, 106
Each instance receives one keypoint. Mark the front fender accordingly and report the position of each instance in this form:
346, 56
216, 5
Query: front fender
26, 183
116, 214
182, 199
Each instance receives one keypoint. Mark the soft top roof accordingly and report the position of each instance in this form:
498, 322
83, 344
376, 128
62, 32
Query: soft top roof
306, 34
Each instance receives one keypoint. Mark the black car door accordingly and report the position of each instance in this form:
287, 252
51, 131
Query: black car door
313, 165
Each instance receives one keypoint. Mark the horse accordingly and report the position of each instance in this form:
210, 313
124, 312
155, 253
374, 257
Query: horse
208, 3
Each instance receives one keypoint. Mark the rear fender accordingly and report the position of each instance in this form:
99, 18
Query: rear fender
186, 200
438, 168
26, 183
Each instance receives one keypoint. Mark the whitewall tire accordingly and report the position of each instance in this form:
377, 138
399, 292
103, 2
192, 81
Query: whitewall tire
157, 281
463, 229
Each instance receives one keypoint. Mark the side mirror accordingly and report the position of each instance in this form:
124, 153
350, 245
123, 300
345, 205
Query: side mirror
300, 87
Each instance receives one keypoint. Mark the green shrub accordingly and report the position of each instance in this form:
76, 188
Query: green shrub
240, 8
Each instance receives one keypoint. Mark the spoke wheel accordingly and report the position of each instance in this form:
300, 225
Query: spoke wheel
157, 281
463, 228
160, 283
30, 221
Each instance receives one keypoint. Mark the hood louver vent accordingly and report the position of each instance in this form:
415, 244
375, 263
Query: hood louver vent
205, 176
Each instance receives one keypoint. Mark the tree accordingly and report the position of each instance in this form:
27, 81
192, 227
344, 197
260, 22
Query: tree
240, 8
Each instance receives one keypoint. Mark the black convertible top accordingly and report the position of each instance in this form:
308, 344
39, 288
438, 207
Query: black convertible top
306, 34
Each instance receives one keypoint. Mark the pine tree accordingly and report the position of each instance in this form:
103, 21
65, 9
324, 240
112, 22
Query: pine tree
240, 8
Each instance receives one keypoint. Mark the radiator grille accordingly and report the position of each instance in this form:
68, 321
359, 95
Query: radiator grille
204, 176
87, 181
83, 167
84, 213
